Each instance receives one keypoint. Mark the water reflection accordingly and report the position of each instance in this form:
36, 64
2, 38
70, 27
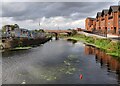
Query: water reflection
72, 40
112, 64
58, 62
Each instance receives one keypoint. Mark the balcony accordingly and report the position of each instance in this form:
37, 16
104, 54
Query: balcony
111, 17
97, 20
102, 19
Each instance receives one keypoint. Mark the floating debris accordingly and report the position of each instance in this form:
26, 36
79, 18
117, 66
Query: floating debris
67, 67
19, 74
49, 75
72, 57
67, 63
81, 76
77, 61
20, 48
23, 82
68, 72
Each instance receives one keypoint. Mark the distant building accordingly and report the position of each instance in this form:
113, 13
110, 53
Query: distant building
8, 29
90, 24
107, 21
13, 31
78, 29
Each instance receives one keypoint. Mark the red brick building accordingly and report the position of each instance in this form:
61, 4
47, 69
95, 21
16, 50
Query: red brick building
104, 21
113, 19
107, 21
98, 21
90, 24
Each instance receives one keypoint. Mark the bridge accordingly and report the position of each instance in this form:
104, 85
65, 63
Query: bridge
56, 32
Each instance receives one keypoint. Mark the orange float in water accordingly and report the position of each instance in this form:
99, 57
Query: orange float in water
81, 76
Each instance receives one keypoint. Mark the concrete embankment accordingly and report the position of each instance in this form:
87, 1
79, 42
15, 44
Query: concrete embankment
22, 42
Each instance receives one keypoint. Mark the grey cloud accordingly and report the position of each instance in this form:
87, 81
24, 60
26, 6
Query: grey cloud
34, 10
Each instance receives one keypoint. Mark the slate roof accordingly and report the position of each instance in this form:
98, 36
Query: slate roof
91, 18
114, 8
98, 14
104, 12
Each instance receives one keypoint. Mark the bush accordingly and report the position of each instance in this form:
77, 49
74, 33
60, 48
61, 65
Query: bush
102, 42
89, 39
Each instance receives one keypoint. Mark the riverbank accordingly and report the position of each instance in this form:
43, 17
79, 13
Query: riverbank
109, 46
23, 43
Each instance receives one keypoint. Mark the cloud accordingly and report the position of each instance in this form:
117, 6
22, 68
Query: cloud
51, 14
46, 23
34, 10
60, 1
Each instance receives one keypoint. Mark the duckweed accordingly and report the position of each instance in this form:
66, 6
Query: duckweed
67, 67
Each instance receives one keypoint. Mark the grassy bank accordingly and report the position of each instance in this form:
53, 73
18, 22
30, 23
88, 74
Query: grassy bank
110, 47
20, 48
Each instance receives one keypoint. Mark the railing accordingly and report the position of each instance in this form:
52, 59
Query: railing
100, 32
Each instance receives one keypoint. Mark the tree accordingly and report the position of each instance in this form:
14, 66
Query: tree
41, 30
16, 26
74, 32
3, 29
69, 29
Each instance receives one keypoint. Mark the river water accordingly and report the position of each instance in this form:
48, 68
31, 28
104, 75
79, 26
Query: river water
60, 62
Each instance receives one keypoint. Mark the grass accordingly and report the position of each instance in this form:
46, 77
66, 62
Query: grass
21, 48
110, 47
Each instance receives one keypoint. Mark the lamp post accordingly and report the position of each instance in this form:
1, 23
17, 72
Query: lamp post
39, 23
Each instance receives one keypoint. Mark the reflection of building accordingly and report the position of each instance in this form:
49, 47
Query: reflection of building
107, 21
103, 58
89, 50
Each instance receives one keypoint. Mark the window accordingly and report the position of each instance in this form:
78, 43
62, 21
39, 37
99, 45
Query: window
119, 30
108, 29
110, 17
119, 22
89, 23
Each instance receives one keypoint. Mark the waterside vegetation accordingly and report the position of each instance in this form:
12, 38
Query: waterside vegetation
109, 46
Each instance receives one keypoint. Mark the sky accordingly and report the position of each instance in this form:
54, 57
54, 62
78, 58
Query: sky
51, 15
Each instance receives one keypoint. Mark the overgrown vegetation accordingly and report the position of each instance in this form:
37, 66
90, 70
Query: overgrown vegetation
110, 47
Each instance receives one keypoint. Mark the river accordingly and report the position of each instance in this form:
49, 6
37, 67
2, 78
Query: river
60, 62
